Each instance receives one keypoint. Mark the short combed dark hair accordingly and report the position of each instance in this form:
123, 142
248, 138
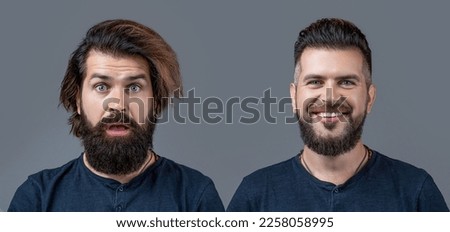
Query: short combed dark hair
122, 38
333, 33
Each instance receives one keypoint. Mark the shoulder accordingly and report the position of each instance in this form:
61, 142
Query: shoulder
180, 172
399, 168
196, 186
273, 173
49, 175
414, 183
32, 193
274, 169
257, 188
397, 174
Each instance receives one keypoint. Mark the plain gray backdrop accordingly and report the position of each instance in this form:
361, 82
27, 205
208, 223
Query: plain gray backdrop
227, 49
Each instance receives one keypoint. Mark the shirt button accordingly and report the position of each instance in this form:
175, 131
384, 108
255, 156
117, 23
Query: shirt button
120, 188
119, 208
336, 190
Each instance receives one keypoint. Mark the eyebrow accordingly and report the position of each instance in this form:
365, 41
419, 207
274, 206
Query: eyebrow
339, 78
128, 78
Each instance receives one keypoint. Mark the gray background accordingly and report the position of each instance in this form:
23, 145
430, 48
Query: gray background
226, 49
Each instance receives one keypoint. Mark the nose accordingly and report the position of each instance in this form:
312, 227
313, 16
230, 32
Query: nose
116, 100
330, 93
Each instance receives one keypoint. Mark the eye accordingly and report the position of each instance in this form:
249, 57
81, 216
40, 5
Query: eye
314, 83
347, 83
101, 87
134, 88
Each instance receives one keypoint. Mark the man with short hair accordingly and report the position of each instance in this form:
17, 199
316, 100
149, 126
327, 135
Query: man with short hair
117, 81
331, 95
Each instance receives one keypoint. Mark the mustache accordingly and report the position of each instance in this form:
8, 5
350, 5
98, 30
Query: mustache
118, 117
319, 105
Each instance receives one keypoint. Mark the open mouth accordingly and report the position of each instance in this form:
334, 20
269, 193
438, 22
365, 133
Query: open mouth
329, 116
117, 129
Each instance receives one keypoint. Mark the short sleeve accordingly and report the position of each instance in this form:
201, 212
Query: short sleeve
27, 198
210, 200
240, 201
430, 198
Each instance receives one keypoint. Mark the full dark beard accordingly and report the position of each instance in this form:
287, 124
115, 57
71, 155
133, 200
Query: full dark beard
117, 155
332, 146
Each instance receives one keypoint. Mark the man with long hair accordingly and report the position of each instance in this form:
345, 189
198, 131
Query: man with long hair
118, 80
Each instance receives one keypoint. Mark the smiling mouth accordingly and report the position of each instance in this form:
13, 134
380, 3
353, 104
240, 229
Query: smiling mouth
329, 114
328, 117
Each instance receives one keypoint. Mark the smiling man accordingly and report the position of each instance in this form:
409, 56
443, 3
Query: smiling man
331, 95
118, 80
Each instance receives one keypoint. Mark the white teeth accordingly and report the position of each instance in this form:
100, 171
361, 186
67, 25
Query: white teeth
329, 115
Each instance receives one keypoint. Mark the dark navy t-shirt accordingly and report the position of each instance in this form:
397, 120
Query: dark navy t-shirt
384, 184
165, 186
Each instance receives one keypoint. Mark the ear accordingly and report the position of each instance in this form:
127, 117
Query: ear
372, 96
293, 91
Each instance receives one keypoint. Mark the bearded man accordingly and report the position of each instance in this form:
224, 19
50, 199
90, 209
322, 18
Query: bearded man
118, 80
331, 95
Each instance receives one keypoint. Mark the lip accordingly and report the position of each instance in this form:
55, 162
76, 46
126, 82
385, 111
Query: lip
328, 117
117, 129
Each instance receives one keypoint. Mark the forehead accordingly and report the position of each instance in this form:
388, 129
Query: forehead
330, 62
114, 65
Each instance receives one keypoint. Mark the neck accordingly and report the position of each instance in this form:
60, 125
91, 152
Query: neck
335, 169
123, 179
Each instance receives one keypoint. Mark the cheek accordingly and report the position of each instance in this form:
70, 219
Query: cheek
139, 108
93, 109
306, 99
359, 105
137, 112
301, 100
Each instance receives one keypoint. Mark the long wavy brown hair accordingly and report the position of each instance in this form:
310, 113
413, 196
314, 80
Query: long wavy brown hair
122, 38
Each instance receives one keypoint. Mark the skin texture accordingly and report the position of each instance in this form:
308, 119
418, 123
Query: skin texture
116, 82
118, 85
341, 71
